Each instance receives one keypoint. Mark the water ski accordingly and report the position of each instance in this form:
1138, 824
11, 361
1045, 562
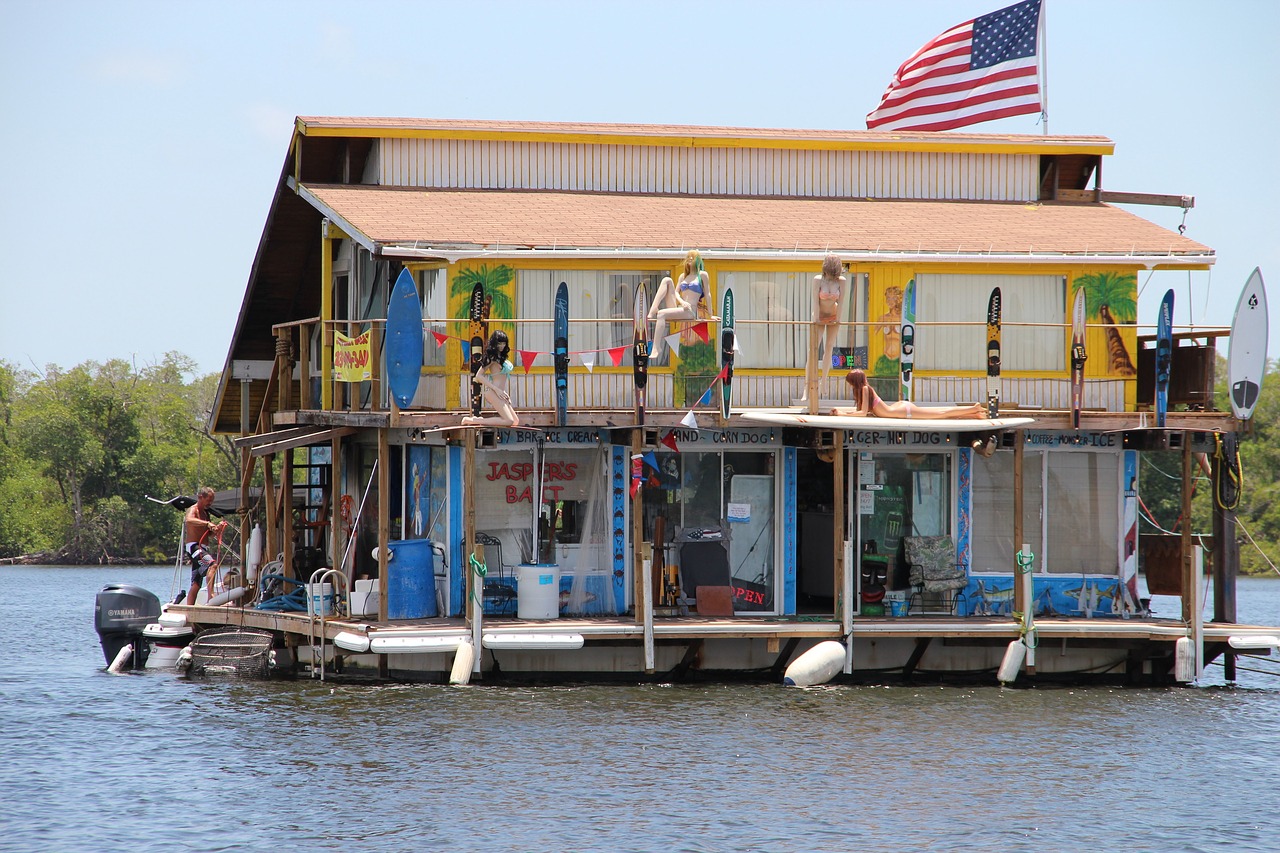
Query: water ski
476, 333
728, 342
993, 354
907, 338
640, 348
1078, 357
561, 353
1164, 356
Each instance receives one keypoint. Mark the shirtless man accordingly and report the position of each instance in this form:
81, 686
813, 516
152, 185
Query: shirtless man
197, 527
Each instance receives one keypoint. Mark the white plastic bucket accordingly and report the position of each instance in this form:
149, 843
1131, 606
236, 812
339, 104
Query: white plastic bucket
319, 599
537, 591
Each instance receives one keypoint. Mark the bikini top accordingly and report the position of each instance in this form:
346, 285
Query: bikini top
507, 367
695, 286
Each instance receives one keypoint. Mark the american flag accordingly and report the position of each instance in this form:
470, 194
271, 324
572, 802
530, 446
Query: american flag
977, 71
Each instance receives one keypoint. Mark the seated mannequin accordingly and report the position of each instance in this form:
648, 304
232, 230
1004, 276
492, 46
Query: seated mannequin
494, 374
684, 299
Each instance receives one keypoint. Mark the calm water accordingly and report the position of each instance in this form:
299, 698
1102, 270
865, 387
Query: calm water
92, 761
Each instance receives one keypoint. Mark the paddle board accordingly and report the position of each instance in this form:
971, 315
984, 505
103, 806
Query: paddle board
727, 341
476, 334
993, 354
896, 424
1164, 355
907, 360
1078, 357
404, 340
1247, 358
640, 348
561, 353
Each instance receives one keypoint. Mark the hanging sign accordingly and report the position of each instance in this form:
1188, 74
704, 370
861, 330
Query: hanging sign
351, 357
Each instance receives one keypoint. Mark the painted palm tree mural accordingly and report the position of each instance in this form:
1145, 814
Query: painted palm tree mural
497, 287
1111, 300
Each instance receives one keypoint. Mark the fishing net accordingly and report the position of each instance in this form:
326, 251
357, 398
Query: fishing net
235, 652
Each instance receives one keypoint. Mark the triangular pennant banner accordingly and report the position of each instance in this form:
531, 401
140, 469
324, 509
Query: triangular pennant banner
673, 341
588, 360
615, 355
724, 371
736, 346
651, 460
701, 331
689, 420
705, 399
440, 338
527, 358
670, 441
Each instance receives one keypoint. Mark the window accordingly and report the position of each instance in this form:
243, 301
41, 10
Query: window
601, 305
1071, 512
773, 311
963, 299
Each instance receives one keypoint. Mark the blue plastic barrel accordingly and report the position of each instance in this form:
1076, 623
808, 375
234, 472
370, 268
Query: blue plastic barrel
411, 580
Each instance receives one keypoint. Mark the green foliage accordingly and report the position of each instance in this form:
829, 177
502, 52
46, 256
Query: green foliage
81, 449
1117, 291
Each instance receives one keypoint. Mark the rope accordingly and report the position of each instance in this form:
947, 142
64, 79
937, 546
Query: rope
481, 570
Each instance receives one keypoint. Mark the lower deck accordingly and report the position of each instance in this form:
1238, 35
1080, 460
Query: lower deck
1128, 651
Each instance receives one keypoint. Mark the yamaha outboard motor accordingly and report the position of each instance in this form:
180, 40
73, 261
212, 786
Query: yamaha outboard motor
121, 612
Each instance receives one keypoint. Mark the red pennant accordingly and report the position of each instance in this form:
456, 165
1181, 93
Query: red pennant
615, 355
527, 358
440, 338
701, 331
723, 374
670, 441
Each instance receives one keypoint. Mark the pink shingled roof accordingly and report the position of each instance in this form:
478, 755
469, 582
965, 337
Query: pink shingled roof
494, 218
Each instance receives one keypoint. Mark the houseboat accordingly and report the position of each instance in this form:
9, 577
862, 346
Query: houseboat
672, 484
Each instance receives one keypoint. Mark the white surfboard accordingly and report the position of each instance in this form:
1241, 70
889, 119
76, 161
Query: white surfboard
1247, 359
798, 418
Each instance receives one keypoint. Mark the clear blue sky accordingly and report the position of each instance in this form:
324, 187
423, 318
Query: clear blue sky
142, 140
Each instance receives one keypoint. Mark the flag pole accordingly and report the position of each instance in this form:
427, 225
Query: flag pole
1044, 68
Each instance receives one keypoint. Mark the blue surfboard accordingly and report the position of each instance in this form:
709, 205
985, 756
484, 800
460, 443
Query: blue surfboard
561, 353
1164, 356
404, 340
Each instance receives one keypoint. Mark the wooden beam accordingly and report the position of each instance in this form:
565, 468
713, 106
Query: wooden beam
384, 523
1019, 533
311, 437
1111, 197
843, 583
1188, 559
265, 437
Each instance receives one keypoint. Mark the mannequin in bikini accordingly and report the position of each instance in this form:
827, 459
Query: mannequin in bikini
683, 299
494, 374
870, 404
828, 292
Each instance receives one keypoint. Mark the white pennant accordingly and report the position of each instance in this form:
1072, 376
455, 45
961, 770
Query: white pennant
673, 341
689, 420
588, 360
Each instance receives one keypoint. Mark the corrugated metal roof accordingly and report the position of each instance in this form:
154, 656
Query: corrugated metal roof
493, 220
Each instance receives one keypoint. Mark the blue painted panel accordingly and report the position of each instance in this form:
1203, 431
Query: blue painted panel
789, 520
457, 537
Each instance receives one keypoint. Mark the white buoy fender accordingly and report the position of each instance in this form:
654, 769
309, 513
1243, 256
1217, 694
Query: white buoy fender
1184, 661
228, 596
462, 661
121, 659
1012, 663
817, 666
351, 641
255, 553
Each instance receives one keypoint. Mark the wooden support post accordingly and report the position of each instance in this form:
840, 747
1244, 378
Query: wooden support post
326, 318
1189, 594
812, 371
272, 536
475, 586
285, 496
843, 571
336, 480
305, 399
638, 579
1020, 602
384, 521
1226, 566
